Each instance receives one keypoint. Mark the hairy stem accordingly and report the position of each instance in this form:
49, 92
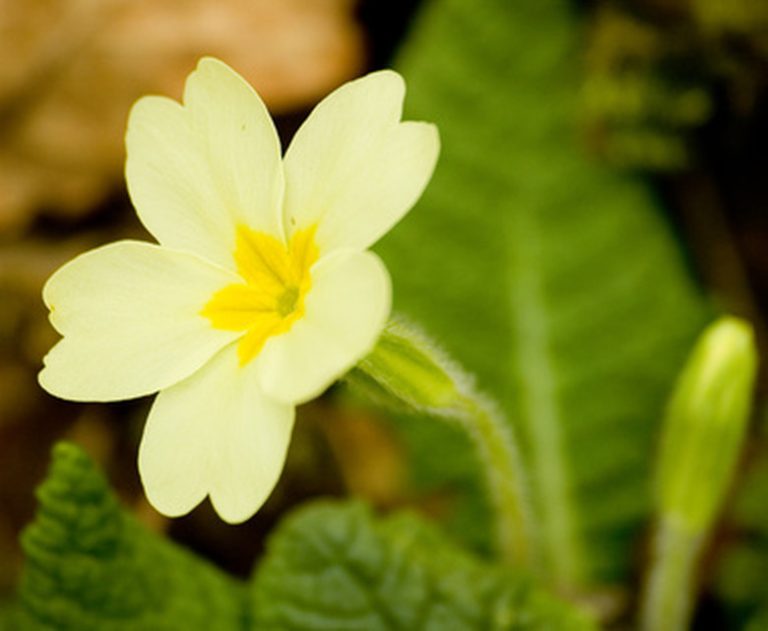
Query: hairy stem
504, 477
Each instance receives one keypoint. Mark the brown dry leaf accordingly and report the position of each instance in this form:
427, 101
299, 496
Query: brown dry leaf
370, 458
78, 65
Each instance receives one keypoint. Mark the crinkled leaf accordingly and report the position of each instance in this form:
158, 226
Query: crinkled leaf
331, 566
90, 567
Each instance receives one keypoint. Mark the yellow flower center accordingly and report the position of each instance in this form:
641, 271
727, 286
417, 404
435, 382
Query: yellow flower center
271, 298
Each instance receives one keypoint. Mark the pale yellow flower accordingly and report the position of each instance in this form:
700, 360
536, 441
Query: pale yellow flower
260, 293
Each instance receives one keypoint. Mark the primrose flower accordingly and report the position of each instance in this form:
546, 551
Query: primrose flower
260, 293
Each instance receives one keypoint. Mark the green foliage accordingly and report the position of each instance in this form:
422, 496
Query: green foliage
331, 566
553, 280
90, 567
635, 119
734, 18
641, 99
655, 76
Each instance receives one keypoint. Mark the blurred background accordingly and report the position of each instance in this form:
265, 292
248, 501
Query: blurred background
673, 90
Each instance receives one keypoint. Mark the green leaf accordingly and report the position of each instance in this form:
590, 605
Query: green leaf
331, 566
556, 282
90, 567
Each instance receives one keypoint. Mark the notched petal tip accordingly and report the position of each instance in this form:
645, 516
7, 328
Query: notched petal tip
422, 140
377, 96
234, 514
213, 65
207, 61
43, 378
167, 509
432, 132
236, 461
391, 78
173, 507
170, 495
128, 313
45, 382
145, 111
210, 73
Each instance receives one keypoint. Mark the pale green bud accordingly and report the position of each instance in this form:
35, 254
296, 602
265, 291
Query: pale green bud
705, 424
409, 368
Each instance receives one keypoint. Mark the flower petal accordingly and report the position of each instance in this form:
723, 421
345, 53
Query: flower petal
196, 172
353, 168
130, 316
215, 434
345, 310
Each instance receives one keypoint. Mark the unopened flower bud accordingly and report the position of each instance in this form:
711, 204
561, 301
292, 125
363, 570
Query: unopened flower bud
705, 424
412, 370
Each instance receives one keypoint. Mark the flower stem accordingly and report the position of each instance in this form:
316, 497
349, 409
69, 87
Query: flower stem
411, 369
703, 431
667, 601
504, 477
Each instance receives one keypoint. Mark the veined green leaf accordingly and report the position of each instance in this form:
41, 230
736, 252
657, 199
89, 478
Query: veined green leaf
555, 281
90, 567
331, 566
